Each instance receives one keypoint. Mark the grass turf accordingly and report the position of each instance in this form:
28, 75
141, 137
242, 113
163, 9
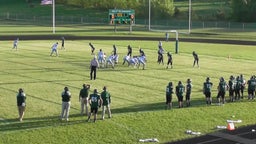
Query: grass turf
137, 95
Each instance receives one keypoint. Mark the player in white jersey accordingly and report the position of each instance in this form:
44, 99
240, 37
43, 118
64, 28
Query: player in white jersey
142, 60
15, 44
101, 58
55, 49
110, 61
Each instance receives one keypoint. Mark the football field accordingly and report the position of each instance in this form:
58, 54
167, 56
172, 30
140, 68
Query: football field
138, 96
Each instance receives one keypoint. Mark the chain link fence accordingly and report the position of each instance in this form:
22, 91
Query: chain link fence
167, 24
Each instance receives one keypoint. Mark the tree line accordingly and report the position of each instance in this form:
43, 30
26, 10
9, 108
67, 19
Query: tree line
241, 10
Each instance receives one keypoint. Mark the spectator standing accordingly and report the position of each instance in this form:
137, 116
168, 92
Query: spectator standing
207, 90
66, 95
169, 92
93, 66
106, 99
21, 103
95, 102
83, 98
179, 93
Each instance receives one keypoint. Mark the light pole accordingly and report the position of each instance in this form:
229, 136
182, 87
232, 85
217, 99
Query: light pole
149, 13
53, 16
189, 16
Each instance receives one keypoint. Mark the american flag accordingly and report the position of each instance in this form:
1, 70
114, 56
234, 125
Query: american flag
46, 2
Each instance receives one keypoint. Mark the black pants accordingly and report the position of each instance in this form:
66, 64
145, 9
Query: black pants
93, 70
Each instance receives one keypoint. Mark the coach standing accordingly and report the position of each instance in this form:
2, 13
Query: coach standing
94, 65
66, 95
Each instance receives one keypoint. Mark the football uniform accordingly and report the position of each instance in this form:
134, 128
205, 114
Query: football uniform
169, 92
94, 102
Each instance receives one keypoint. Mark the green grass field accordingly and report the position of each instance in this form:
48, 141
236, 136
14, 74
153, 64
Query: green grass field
138, 96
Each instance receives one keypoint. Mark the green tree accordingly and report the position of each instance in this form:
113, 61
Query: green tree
160, 8
244, 10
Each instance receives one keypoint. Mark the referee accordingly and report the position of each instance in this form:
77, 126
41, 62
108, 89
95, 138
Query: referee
94, 65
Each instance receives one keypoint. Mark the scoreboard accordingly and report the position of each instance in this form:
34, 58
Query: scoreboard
120, 16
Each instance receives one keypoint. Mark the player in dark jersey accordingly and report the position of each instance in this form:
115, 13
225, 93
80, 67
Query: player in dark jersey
21, 103
222, 87
251, 87
207, 90
62, 43
188, 92
141, 51
238, 86
129, 51
196, 59
243, 84
169, 92
92, 48
160, 53
83, 98
169, 62
95, 102
231, 88
114, 49
179, 93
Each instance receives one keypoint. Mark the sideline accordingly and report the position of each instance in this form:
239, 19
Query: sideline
198, 40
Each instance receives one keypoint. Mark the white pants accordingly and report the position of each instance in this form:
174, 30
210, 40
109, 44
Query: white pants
108, 109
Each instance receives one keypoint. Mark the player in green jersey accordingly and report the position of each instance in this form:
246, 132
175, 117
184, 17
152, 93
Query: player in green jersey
238, 86
222, 87
243, 84
251, 87
21, 103
83, 98
169, 92
196, 59
95, 102
207, 90
106, 100
231, 88
179, 93
188, 92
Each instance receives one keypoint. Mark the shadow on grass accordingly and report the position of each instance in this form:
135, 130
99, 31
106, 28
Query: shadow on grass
11, 125
157, 106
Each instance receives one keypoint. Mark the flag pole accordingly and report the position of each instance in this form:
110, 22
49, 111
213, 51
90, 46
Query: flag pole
53, 16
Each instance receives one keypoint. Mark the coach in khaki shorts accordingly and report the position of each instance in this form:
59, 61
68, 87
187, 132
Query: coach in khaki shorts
83, 98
